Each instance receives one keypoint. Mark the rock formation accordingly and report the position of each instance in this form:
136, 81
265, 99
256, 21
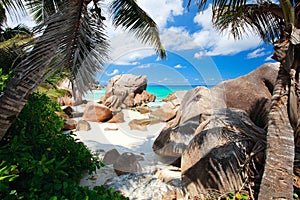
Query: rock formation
223, 153
251, 93
125, 91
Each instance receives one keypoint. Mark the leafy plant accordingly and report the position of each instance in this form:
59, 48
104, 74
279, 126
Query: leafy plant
3, 79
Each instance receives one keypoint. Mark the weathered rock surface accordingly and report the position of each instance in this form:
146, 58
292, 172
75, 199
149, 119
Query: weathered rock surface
118, 117
111, 156
83, 125
113, 102
143, 98
142, 109
144, 186
251, 93
174, 138
127, 163
96, 112
175, 97
218, 156
166, 112
127, 90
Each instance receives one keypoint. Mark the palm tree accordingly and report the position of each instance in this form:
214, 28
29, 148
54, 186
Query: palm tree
271, 22
72, 36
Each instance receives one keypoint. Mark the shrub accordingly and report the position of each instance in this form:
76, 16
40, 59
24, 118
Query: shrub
45, 163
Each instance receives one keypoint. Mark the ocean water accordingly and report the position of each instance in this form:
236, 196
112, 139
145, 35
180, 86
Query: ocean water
160, 91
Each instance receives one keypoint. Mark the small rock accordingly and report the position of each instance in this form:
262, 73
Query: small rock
96, 112
142, 109
127, 163
70, 124
69, 111
143, 186
111, 156
83, 125
111, 129
117, 118
141, 124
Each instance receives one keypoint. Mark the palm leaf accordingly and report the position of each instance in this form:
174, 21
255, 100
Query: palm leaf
263, 19
128, 15
14, 7
40, 10
71, 39
3, 17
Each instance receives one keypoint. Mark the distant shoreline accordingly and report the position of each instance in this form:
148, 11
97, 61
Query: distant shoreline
160, 91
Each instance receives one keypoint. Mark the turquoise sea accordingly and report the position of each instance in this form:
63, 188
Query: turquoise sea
160, 91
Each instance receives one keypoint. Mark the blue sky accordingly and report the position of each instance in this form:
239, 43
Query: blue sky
197, 54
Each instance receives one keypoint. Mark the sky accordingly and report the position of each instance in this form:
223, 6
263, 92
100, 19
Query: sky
196, 53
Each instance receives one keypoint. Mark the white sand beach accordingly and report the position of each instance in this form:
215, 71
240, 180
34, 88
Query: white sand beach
106, 136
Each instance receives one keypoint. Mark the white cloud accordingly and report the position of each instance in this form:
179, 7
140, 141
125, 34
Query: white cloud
257, 53
177, 38
144, 66
162, 11
115, 72
213, 43
179, 66
209, 41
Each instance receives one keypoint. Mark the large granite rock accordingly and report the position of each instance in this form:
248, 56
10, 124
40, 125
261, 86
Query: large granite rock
126, 90
175, 137
251, 93
223, 154
96, 112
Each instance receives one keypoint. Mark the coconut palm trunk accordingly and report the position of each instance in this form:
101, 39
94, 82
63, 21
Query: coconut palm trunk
277, 181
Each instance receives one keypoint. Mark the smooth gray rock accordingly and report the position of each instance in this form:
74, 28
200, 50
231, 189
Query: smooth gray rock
111, 156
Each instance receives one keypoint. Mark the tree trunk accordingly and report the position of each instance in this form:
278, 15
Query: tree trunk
24, 81
277, 180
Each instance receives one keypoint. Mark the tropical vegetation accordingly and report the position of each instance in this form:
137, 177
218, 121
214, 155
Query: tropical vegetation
277, 23
38, 161
72, 37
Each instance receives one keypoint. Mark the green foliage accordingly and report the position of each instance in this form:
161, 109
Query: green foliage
3, 79
39, 162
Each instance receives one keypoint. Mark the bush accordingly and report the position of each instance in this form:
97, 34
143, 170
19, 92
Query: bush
45, 163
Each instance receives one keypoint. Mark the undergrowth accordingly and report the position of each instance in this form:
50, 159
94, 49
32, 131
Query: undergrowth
38, 161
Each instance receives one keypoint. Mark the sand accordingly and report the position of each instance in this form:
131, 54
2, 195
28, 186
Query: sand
106, 136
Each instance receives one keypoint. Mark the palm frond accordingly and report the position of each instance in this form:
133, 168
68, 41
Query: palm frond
3, 17
263, 19
218, 4
128, 15
40, 10
14, 7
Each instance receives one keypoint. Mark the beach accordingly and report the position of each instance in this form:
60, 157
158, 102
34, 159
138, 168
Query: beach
103, 137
